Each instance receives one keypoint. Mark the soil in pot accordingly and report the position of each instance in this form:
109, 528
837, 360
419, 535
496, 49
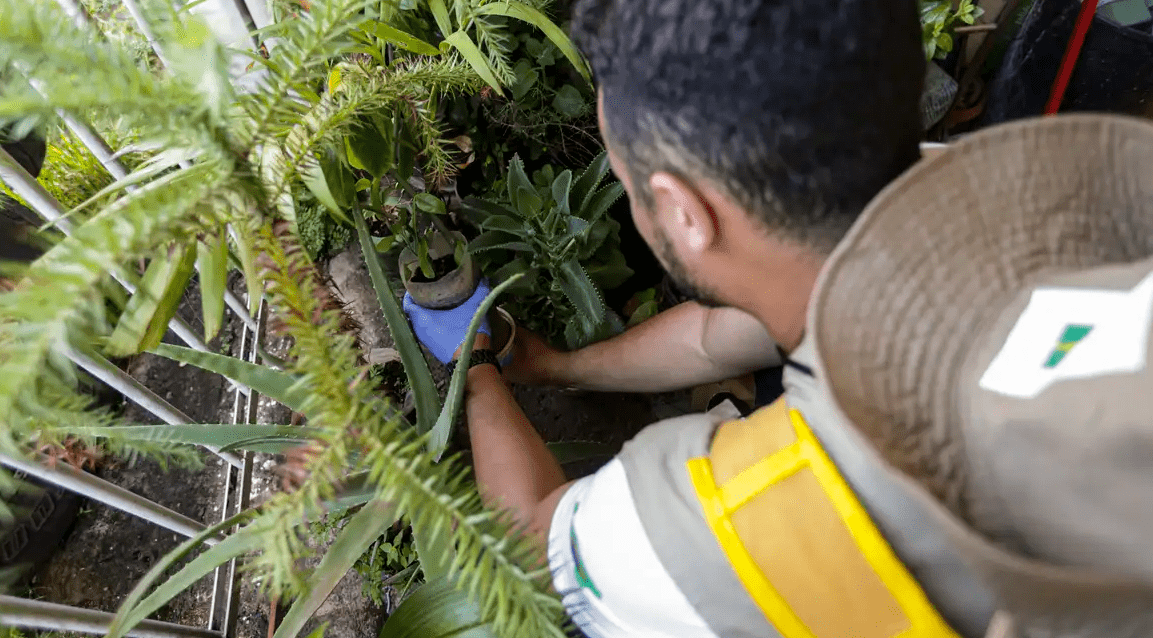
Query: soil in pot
440, 268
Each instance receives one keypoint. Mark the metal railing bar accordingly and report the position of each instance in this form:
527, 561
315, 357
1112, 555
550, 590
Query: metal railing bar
232, 605
136, 392
47, 207
109, 494
37, 614
146, 29
76, 11
224, 587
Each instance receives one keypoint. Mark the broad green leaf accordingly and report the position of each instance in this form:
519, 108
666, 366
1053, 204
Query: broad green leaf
363, 184
577, 226
331, 183
429, 203
612, 273
599, 204
415, 367
212, 262
441, 431
497, 240
385, 244
403, 40
256, 437
572, 451
580, 290
253, 277
437, 608
460, 252
504, 223
586, 184
357, 536
370, 150
136, 608
560, 192
529, 203
517, 266
525, 77
524, 12
440, 14
568, 101
422, 258
518, 182
645, 311
281, 386
145, 320
477, 210
475, 59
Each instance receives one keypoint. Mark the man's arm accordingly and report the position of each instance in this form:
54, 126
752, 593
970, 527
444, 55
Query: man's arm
684, 346
516, 472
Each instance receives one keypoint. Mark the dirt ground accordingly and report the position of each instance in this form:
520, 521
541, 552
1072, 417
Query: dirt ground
107, 551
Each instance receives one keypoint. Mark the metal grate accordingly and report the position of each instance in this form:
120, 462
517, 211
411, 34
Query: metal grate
233, 22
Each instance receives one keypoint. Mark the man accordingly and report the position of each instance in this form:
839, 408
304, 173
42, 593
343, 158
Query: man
749, 135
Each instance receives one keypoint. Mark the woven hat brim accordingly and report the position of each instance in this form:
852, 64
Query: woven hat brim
937, 256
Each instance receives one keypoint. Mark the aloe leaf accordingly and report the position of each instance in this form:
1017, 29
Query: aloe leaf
437, 608
136, 608
475, 59
145, 319
539, 20
212, 262
438, 439
245, 436
358, 534
281, 386
415, 367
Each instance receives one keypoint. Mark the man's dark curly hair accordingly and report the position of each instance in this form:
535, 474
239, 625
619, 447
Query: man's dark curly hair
799, 110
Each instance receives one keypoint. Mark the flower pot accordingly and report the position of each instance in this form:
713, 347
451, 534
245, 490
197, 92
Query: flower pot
503, 328
450, 289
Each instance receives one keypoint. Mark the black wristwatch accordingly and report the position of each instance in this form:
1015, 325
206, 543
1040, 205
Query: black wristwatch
477, 358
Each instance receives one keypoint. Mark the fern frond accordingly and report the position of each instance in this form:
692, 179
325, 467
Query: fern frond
360, 433
307, 45
59, 299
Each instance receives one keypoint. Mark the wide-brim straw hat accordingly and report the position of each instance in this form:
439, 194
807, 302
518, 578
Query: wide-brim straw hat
985, 328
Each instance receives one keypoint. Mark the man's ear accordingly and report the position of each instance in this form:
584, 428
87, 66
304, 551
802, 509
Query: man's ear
685, 216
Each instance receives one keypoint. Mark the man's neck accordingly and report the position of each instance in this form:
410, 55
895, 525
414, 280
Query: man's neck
782, 303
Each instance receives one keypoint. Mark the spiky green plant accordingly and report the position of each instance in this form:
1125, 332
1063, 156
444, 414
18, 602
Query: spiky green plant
227, 161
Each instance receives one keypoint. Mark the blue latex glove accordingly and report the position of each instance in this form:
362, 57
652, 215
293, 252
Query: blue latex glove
443, 331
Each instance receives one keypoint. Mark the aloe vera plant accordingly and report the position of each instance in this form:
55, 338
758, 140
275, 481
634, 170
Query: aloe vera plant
559, 234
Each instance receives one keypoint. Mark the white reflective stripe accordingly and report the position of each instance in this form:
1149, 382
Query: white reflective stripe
637, 596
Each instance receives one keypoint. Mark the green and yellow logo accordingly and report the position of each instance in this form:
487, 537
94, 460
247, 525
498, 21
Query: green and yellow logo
1073, 334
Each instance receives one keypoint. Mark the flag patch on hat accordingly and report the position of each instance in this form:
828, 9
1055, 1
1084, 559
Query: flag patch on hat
1072, 333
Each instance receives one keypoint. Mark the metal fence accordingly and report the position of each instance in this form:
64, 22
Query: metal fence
233, 22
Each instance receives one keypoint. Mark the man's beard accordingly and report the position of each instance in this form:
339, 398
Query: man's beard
680, 275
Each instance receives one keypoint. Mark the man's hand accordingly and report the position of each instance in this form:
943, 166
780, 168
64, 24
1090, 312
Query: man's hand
533, 360
443, 331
